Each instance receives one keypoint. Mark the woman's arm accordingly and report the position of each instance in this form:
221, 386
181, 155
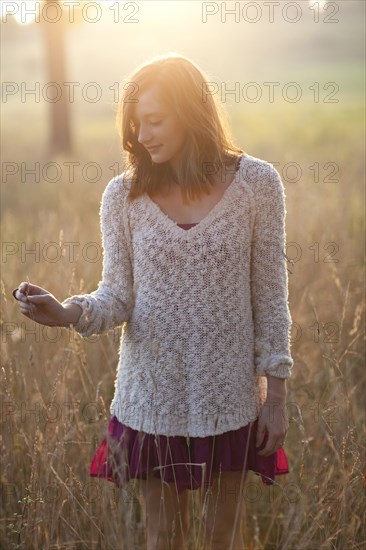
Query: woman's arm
276, 388
72, 314
269, 280
111, 304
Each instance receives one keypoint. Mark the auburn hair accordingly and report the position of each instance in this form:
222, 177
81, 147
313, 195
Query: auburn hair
183, 87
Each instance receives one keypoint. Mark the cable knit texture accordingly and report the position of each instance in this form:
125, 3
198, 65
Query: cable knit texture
204, 311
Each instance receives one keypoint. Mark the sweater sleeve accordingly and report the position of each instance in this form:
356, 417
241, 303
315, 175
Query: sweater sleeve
111, 304
269, 279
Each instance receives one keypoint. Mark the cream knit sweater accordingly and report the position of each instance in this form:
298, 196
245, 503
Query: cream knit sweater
204, 311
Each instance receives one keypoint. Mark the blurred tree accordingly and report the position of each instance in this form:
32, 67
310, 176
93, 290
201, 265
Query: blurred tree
54, 40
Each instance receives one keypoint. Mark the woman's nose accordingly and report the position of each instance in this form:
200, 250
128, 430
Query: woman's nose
143, 136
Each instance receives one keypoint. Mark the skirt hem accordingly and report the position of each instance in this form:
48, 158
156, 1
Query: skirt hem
126, 454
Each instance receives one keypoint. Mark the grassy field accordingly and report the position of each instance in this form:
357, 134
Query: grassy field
48, 499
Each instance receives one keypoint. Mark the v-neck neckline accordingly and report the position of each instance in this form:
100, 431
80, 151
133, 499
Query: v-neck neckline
199, 226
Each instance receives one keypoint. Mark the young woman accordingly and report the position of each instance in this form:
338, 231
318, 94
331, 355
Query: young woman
194, 268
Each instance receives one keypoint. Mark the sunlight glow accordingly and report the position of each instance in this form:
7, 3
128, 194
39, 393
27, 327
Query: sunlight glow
320, 2
23, 12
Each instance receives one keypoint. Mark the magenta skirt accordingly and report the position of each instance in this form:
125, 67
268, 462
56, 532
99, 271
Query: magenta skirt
125, 454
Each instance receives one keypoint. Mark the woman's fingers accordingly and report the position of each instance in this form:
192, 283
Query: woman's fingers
260, 434
270, 444
16, 294
27, 308
21, 296
24, 304
20, 292
39, 299
27, 305
27, 289
34, 290
23, 286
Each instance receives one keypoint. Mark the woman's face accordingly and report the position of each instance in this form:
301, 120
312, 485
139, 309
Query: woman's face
157, 126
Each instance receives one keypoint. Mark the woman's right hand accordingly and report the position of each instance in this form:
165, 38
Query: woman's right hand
41, 306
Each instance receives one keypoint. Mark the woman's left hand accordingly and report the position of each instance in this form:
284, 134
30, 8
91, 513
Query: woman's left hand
272, 421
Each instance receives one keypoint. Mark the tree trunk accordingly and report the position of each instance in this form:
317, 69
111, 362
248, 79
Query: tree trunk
54, 42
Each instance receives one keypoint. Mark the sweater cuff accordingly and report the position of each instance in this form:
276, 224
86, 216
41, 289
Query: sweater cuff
277, 365
83, 326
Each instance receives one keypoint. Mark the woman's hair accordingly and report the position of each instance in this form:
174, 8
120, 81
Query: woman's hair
184, 88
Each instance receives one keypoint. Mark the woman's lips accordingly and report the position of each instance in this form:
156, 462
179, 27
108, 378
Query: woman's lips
152, 149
